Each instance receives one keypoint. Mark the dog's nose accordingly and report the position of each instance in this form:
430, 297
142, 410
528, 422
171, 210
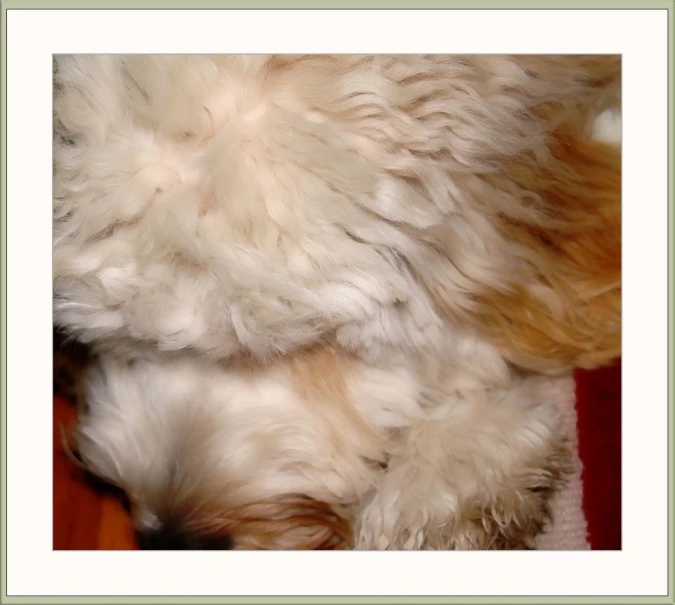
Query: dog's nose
171, 539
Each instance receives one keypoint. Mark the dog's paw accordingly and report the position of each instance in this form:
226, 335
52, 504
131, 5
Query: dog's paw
513, 517
478, 475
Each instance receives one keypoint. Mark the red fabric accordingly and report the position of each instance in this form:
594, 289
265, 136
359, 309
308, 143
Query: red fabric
599, 426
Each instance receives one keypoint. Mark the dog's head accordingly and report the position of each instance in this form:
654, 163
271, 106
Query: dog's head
213, 457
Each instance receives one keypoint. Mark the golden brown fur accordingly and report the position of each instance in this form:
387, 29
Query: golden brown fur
292, 522
571, 316
561, 207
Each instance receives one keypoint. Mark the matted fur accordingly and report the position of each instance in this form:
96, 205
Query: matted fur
310, 279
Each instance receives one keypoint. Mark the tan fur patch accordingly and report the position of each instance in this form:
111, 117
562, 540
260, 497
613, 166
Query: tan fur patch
319, 376
318, 373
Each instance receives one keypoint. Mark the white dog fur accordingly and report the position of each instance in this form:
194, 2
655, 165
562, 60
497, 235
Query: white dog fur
228, 229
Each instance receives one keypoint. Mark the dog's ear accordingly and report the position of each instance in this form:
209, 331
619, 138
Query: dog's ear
289, 522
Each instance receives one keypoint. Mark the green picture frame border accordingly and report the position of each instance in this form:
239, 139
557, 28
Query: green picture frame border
10, 5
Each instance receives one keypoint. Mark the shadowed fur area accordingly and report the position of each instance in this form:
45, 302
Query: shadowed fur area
326, 295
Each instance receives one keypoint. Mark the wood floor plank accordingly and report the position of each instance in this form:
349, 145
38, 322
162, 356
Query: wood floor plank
115, 531
84, 518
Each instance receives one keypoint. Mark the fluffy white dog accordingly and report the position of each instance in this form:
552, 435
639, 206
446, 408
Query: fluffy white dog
320, 286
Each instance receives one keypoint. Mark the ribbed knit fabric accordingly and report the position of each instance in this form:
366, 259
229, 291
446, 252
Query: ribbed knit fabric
569, 528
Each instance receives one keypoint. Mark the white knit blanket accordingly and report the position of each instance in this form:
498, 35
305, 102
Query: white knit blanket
568, 530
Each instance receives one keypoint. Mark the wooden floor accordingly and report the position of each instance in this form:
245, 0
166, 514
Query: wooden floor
85, 517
